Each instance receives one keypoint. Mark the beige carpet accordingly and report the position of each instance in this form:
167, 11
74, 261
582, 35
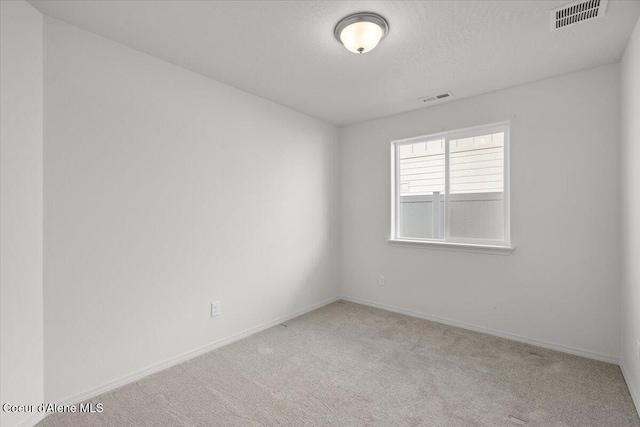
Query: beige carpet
351, 365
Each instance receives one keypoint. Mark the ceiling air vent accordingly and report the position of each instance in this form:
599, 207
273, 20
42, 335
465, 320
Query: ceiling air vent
436, 97
575, 12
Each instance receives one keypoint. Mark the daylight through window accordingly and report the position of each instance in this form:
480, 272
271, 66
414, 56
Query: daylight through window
452, 187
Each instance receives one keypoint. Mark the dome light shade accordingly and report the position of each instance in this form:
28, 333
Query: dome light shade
361, 32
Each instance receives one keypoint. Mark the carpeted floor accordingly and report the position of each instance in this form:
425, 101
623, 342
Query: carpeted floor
351, 365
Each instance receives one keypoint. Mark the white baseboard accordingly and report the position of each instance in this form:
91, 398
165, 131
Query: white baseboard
632, 391
111, 385
507, 335
33, 419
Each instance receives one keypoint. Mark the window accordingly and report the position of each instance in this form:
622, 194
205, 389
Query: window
452, 188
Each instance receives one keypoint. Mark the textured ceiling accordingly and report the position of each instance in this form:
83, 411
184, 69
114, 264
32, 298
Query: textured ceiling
285, 50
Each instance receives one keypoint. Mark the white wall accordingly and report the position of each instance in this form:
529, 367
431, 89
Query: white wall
562, 283
630, 155
21, 207
164, 191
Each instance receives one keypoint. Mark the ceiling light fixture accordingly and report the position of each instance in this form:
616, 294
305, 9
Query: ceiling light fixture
361, 32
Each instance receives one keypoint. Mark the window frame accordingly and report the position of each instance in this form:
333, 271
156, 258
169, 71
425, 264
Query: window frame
448, 240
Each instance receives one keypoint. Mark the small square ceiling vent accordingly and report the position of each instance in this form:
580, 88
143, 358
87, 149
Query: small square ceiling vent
575, 12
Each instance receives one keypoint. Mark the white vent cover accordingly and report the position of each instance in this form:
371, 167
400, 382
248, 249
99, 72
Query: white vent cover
436, 97
575, 12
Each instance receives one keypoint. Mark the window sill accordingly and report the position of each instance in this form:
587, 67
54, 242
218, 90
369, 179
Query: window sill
450, 246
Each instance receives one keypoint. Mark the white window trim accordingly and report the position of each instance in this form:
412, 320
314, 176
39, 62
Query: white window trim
449, 246
482, 245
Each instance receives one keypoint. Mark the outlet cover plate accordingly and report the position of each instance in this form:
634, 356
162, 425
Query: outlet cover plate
215, 309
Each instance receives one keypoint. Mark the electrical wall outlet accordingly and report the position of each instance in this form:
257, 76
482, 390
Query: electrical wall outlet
215, 309
382, 281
